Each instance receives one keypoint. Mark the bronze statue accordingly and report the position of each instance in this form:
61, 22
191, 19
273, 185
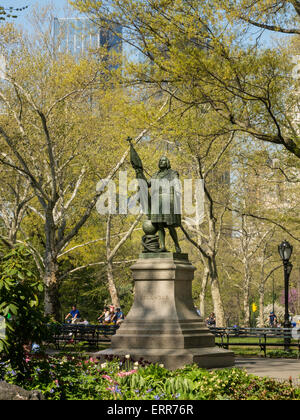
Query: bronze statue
164, 211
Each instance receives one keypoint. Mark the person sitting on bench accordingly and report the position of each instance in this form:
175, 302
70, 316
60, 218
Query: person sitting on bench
118, 317
74, 313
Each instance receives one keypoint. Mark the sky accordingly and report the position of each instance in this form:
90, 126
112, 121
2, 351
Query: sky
59, 5
61, 8
61, 11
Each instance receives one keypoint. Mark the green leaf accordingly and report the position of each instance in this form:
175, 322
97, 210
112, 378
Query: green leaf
40, 288
13, 309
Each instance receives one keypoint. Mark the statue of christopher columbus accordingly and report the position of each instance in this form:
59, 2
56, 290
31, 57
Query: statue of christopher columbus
164, 210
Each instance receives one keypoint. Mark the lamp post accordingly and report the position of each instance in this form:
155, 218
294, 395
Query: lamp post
285, 251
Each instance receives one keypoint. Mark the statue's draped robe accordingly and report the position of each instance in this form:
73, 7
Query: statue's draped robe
166, 198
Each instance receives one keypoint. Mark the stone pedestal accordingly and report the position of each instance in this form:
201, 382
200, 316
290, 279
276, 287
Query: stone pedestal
163, 325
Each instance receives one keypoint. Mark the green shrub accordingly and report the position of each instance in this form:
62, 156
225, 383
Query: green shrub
283, 354
73, 378
19, 304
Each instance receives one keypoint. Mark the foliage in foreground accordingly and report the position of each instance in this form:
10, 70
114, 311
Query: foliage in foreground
74, 378
20, 306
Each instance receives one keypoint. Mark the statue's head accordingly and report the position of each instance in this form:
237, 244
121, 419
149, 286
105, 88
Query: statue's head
164, 163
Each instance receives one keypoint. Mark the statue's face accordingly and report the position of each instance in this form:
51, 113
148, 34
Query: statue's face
163, 163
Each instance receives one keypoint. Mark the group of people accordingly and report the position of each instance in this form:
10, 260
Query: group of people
114, 316
273, 321
211, 320
109, 316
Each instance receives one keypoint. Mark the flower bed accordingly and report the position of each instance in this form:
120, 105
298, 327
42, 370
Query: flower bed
74, 378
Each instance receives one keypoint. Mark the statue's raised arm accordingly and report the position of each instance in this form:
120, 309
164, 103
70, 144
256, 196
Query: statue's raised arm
136, 162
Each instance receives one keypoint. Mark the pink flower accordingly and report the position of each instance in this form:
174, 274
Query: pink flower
107, 377
122, 374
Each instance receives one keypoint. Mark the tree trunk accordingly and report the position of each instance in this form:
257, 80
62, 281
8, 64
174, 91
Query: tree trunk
246, 294
218, 304
111, 285
261, 291
216, 294
52, 304
246, 310
205, 278
51, 276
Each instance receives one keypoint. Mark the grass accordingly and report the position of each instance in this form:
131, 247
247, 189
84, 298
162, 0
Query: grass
241, 349
254, 340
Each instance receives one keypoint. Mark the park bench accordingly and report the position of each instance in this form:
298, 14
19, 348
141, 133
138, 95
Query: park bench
63, 334
227, 337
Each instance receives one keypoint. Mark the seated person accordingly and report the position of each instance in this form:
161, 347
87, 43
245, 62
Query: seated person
272, 319
118, 317
112, 312
105, 317
74, 313
211, 320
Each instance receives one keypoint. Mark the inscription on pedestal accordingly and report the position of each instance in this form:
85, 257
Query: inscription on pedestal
153, 298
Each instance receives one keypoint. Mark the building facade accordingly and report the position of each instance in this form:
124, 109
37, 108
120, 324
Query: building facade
77, 36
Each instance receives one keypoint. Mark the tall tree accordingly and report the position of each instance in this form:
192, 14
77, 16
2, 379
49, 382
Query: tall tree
15, 195
202, 46
62, 142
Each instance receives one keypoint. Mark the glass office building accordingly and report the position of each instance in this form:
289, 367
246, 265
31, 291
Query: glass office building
79, 35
